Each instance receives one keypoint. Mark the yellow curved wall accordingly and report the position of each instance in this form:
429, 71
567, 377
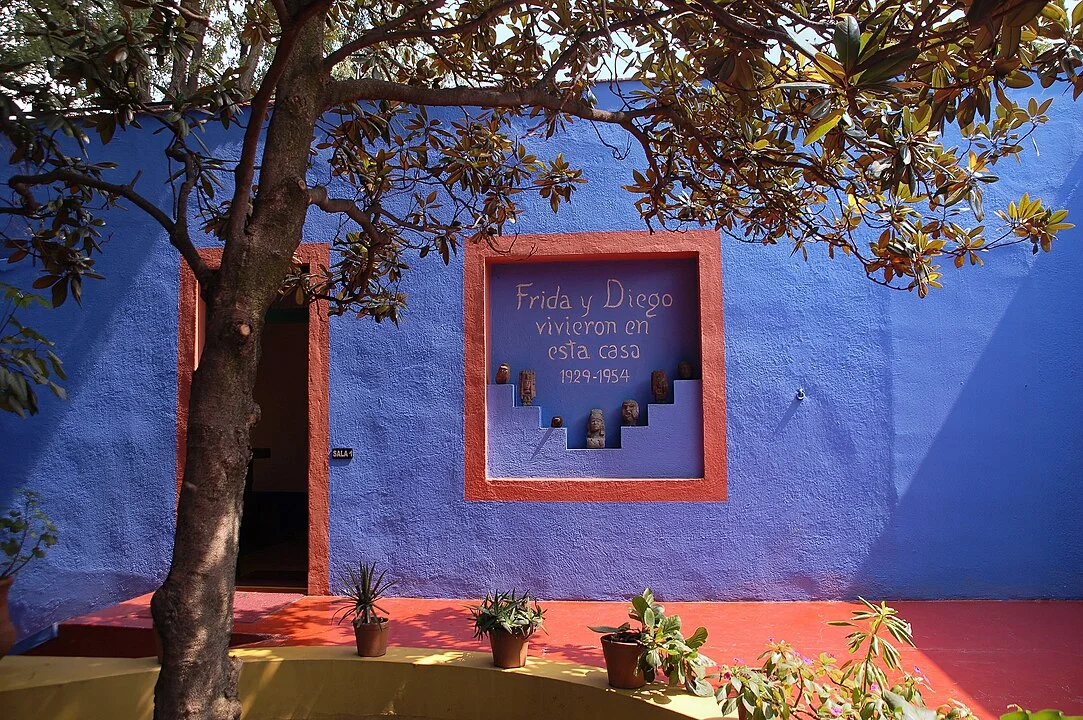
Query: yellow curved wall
331, 682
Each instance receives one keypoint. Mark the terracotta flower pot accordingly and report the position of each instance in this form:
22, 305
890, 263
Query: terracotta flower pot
371, 638
7, 630
622, 663
509, 651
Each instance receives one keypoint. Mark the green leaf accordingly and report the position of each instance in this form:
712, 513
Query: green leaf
806, 85
699, 686
1018, 80
908, 710
847, 41
608, 630
824, 126
697, 638
648, 617
641, 605
886, 64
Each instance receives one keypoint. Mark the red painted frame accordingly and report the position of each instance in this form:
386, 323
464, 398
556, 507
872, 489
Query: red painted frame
189, 343
700, 244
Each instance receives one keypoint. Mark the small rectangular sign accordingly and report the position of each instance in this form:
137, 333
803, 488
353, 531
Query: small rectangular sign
342, 453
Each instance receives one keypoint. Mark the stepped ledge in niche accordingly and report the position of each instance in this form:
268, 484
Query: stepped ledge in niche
670, 446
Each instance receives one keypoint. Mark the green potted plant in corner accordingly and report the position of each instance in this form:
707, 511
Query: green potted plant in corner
635, 657
25, 534
509, 620
362, 589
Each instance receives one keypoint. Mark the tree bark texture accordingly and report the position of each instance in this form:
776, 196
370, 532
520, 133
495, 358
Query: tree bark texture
193, 610
184, 78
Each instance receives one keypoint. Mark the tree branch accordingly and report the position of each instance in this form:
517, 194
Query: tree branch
246, 164
178, 236
736, 25
379, 34
281, 11
582, 39
318, 196
340, 92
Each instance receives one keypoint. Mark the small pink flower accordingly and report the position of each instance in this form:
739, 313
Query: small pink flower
836, 711
874, 687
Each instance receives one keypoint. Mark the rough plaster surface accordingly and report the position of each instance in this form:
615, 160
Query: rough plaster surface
937, 454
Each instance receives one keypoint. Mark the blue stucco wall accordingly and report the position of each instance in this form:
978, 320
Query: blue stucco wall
937, 453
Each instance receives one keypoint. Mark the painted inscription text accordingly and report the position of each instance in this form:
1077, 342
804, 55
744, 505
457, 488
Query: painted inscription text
583, 332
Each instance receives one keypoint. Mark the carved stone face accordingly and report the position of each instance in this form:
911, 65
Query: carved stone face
684, 370
503, 373
526, 387
629, 412
659, 385
596, 430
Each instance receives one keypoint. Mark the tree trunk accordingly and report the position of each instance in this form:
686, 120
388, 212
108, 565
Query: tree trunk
193, 610
186, 62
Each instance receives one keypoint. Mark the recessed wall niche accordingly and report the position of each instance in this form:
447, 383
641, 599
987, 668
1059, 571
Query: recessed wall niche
593, 324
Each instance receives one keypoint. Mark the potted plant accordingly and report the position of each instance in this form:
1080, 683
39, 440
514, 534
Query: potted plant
363, 588
509, 620
635, 657
25, 534
791, 685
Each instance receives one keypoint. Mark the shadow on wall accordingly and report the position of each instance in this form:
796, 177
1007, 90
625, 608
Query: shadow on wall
995, 496
102, 460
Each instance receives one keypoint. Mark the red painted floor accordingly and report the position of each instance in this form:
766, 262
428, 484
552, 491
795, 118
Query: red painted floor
984, 654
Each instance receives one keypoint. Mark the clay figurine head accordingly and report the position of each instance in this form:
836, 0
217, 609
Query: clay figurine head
629, 412
503, 373
659, 385
557, 421
526, 387
596, 430
684, 370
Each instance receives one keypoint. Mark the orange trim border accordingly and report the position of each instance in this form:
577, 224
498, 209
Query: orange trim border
703, 245
319, 449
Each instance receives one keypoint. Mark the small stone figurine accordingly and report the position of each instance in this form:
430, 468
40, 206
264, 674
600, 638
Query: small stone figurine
596, 430
503, 373
684, 370
557, 421
629, 413
659, 386
527, 389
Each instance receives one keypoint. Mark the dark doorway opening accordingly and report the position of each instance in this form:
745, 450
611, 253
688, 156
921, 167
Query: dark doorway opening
273, 550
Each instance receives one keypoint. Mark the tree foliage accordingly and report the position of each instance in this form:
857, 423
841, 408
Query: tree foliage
871, 128
803, 123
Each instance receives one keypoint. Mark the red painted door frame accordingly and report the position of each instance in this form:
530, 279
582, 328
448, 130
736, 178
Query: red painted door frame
189, 344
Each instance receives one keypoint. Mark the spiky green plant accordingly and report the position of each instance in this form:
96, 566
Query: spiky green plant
517, 614
362, 589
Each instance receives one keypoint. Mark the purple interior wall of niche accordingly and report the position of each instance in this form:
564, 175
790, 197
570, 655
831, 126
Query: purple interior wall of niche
552, 317
670, 446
